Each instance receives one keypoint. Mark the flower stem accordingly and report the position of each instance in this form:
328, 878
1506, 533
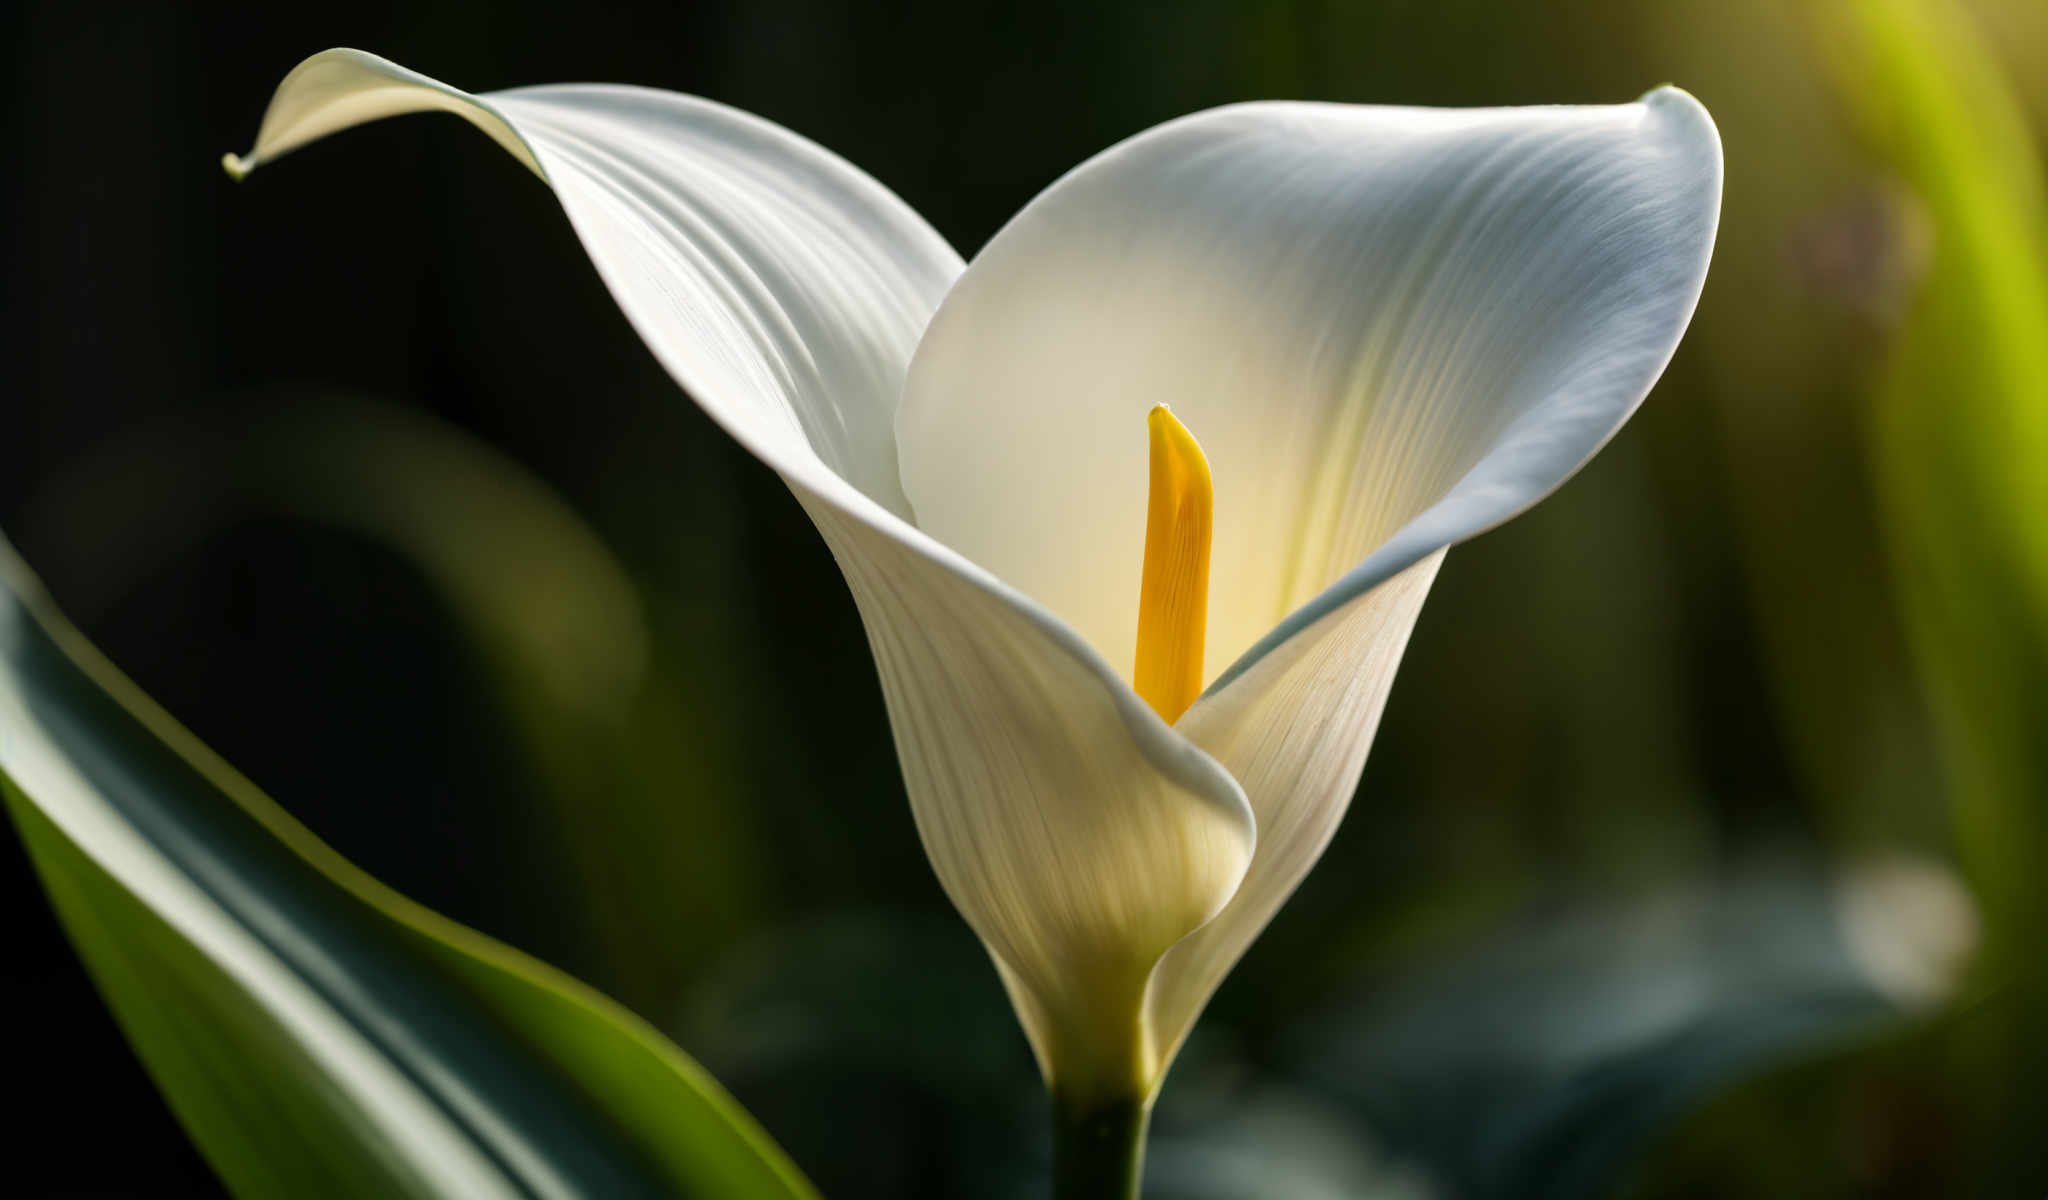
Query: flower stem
1098, 1148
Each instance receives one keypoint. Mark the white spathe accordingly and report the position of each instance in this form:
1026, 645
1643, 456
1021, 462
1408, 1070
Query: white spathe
1391, 328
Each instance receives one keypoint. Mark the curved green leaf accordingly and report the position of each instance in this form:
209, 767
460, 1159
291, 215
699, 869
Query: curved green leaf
318, 1034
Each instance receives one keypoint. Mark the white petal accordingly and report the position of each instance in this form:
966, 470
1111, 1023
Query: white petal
1388, 327
785, 290
779, 284
1294, 729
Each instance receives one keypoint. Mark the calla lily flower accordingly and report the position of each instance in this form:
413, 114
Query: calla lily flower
1380, 331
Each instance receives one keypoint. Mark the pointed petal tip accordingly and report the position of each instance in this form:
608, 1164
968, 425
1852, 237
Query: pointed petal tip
1666, 95
1674, 103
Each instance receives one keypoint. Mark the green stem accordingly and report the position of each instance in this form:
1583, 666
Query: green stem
1098, 1148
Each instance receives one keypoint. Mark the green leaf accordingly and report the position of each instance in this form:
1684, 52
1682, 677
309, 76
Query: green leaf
318, 1034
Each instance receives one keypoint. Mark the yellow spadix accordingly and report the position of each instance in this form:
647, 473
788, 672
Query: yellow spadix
1173, 600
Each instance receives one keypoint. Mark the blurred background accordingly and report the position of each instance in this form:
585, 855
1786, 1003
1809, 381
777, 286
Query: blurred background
1697, 854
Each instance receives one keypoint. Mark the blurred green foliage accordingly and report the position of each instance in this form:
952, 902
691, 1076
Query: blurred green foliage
1957, 439
1793, 612
1959, 430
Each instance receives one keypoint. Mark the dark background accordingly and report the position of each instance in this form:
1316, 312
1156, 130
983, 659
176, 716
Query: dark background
1681, 667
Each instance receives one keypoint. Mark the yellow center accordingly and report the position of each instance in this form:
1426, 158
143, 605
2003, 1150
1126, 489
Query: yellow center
1173, 600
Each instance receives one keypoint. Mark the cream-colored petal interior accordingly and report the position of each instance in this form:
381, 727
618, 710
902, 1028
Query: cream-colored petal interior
1364, 314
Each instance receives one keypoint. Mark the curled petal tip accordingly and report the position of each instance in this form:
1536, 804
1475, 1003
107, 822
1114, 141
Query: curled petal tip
1670, 98
236, 166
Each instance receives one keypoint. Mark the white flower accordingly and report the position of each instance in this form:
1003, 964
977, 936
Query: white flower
1390, 328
